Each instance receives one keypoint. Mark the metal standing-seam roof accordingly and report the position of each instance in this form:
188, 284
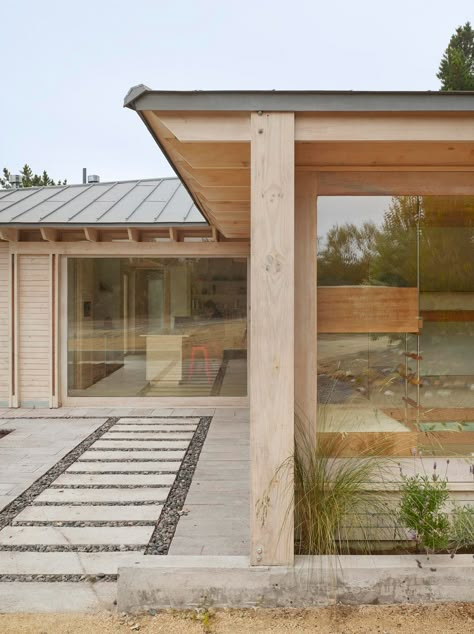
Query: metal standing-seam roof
150, 202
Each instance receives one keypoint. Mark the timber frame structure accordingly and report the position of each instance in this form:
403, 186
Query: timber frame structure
254, 164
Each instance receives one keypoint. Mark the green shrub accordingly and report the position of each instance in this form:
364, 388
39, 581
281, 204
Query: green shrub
422, 504
462, 532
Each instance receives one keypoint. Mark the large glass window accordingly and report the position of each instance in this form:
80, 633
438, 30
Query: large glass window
383, 263
157, 327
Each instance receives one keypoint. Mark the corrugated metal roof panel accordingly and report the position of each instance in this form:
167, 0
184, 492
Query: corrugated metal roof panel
151, 201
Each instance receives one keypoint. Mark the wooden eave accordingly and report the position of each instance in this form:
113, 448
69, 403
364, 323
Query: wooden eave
350, 152
120, 233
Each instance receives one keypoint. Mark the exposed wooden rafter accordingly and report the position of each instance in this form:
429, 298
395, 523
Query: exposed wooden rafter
11, 235
49, 234
134, 234
91, 234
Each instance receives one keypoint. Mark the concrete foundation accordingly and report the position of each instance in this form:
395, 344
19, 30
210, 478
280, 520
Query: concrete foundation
190, 582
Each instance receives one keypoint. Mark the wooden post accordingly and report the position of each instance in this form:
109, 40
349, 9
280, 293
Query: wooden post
272, 338
14, 389
305, 305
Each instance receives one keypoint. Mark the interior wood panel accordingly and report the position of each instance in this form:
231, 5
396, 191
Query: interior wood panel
367, 309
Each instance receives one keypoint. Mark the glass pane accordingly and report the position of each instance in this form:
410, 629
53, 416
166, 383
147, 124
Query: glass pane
157, 327
413, 378
367, 276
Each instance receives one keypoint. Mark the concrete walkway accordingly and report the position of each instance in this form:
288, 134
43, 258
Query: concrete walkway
217, 506
35, 446
63, 550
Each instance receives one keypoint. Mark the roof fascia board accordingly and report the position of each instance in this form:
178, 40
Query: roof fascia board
343, 101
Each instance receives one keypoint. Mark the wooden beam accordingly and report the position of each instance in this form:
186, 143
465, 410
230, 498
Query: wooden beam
49, 234
134, 249
211, 127
11, 235
272, 339
91, 234
215, 234
395, 183
369, 126
134, 235
306, 306
329, 156
200, 126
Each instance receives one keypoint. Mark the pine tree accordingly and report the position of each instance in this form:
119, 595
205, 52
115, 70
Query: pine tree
29, 179
456, 70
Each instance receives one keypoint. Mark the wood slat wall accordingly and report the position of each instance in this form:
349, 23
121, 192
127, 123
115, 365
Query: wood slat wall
4, 324
34, 330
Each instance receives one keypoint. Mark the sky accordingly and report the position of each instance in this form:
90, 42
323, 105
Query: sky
68, 65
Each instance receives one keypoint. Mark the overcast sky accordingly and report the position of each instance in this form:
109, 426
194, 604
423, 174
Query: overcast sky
68, 65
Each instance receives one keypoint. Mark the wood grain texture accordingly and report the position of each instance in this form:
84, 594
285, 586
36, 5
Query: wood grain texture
272, 338
306, 304
352, 309
34, 328
4, 323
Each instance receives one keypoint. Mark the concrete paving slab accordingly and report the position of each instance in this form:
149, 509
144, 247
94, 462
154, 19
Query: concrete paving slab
133, 455
104, 495
153, 427
64, 563
162, 420
125, 467
106, 479
149, 435
57, 597
72, 535
122, 513
137, 444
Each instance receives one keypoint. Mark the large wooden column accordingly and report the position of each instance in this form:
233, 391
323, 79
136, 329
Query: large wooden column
272, 338
306, 304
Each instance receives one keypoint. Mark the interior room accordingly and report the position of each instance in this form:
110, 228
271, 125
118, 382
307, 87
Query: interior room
157, 326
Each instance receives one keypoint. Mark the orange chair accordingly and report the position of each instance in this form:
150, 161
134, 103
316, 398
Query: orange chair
203, 349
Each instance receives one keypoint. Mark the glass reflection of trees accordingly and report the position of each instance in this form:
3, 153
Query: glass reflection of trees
390, 253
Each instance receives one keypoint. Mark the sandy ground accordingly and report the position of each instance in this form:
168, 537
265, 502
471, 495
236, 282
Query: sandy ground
335, 620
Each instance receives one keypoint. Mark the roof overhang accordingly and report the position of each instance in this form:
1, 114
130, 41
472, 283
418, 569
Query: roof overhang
355, 143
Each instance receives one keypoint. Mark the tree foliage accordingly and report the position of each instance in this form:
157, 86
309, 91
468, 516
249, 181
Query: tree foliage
456, 70
29, 178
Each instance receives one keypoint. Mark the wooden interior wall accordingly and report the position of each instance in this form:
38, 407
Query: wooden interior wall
4, 324
34, 330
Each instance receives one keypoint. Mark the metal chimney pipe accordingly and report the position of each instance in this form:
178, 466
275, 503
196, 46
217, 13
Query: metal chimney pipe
84, 175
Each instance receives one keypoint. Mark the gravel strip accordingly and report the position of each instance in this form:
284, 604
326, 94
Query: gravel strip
85, 523
107, 503
45, 481
62, 487
72, 548
163, 534
60, 578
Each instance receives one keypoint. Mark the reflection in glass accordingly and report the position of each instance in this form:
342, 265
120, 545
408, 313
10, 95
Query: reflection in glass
157, 327
415, 377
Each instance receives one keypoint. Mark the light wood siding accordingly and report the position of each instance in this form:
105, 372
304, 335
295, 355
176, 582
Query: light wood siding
34, 330
4, 325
